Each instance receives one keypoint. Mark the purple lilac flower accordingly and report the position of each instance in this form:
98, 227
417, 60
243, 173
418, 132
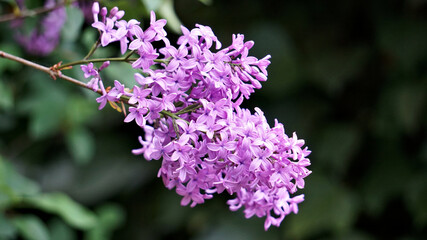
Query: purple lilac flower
90, 70
43, 39
187, 101
86, 6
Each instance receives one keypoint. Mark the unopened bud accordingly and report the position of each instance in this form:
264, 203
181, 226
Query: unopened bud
95, 11
120, 14
104, 65
104, 13
113, 11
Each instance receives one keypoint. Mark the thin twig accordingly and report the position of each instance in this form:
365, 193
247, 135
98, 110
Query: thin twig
47, 70
33, 12
84, 61
93, 49
126, 58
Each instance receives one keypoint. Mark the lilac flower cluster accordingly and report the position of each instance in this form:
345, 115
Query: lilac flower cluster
187, 100
43, 39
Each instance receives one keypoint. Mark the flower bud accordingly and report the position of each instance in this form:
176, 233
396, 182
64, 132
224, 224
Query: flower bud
113, 11
104, 65
95, 11
104, 13
120, 14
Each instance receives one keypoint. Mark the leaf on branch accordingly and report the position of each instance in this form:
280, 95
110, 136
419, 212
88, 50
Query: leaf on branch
71, 212
7, 229
81, 144
31, 227
110, 216
13, 185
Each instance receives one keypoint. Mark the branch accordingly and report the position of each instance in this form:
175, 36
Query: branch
126, 58
85, 61
55, 73
33, 12
47, 70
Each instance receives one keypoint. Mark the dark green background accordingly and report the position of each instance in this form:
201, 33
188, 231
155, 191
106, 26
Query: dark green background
350, 77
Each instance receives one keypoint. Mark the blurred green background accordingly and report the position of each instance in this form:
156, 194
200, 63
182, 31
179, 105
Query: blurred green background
350, 77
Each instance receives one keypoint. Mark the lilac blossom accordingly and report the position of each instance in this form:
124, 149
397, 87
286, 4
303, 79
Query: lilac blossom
43, 39
187, 100
89, 70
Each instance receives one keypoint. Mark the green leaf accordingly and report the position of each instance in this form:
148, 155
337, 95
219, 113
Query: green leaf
403, 41
71, 29
110, 217
271, 37
13, 185
31, 227
45, 105
7, 229
349, 142
206, 2
166, 10
413, 96
6, 96
152, 4
81, 144
71, 212
382, 181
80, 110
328, 206
415, 200
8, 1
120, 71
88, 38
61, 231
332, 70
6, 63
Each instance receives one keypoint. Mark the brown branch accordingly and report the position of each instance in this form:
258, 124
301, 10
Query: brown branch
32, 12
51, 71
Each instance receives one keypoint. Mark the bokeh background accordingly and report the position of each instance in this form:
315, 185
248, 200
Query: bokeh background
349, 77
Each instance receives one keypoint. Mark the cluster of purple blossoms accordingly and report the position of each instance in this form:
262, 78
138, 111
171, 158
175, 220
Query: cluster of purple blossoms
42, 40
187, 101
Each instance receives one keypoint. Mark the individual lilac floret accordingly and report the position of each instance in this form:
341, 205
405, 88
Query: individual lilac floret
90, 70
187, 100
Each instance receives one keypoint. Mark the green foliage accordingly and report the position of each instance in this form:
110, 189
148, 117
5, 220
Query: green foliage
46, 107
59, 230
111, 217
81, 145
72, 27
31, 227
7, 229
166, 10
9, 65
62, 205
153, 4
18, 192
13, 186
329, 207
6, 97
